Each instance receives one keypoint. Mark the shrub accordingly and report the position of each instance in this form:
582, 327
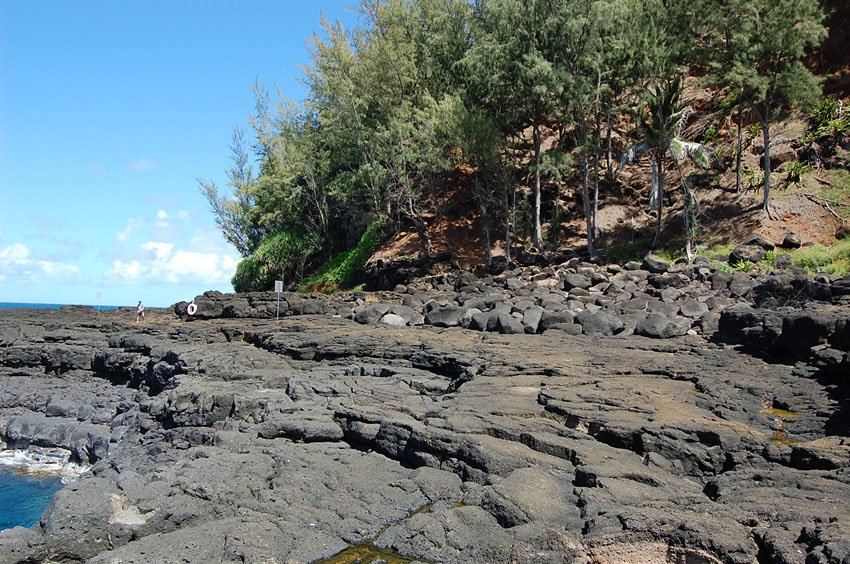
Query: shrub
827, 109
247, 276
753, 177
281, 256
743, 266
345, 270
795, 170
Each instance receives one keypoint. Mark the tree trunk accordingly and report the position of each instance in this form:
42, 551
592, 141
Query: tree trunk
608, 159
596, 135
740, 150
421, 228
765, 125
659, 163
591, 227
508, 219
538, 231
690, 215
485, 227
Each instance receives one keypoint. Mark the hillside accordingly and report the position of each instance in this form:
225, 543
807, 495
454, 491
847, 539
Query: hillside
815, 207
467, 131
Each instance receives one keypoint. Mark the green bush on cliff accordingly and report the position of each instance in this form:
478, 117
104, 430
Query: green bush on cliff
346, 269
247, 276
281, 256
834, 259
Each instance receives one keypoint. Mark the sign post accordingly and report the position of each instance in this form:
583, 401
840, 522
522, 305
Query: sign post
278, 288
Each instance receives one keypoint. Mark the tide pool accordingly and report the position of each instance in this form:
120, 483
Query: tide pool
24, 497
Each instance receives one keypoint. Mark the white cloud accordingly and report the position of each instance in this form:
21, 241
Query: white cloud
57, 269
127, 270
16, 253
162, 250
142, 165
162, 219
16, 263
133, 224
229, 263
176, 267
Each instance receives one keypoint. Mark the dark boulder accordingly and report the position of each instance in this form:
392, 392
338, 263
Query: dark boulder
668, 280
759, 241
370, 314
659, 326
655, 265
572, 280
791, 241
599, 323
447, 316
746, 253
802, 331
551, 318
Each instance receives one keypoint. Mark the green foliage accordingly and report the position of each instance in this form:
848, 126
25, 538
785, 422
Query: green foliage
710, 136
661, 124
828, 122
247, 277
425, 89
753, 177
627, 252
743, 266
281, 256
636, 250
724, 266
769, 261
345, 269
818, 258
671, 255
826, 110
795, 170
753, 130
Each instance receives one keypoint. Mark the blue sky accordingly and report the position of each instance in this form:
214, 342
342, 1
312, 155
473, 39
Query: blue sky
109, 112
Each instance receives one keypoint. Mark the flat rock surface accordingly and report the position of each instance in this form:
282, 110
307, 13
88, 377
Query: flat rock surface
298, 440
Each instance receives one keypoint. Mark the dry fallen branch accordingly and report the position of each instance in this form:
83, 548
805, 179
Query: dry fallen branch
825, 202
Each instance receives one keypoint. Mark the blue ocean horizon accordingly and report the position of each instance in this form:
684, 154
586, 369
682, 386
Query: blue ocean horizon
28, 305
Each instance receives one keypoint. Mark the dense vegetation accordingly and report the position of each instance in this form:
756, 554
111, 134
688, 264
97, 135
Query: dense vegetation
514, 92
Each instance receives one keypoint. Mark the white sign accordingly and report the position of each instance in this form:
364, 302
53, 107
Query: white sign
278, 286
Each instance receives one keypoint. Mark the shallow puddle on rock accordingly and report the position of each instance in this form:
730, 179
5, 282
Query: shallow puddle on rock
365, 555
783, 413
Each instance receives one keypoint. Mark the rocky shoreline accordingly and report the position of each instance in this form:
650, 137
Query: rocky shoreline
573, 412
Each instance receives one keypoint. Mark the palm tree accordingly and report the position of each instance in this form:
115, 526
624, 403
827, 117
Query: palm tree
661, 125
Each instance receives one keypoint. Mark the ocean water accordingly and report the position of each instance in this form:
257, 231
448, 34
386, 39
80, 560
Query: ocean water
24, 497
19, 305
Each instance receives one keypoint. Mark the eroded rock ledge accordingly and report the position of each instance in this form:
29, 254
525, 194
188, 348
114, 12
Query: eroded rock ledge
253, 440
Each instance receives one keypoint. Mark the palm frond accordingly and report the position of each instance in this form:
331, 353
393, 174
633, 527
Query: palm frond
697, 152
633, 153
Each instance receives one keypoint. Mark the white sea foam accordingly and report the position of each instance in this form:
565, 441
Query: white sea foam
41, 460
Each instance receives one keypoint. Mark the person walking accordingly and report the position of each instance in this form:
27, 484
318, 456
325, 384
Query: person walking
140, 312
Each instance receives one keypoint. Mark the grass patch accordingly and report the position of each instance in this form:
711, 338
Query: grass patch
838, 191
628, 252
834, 260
